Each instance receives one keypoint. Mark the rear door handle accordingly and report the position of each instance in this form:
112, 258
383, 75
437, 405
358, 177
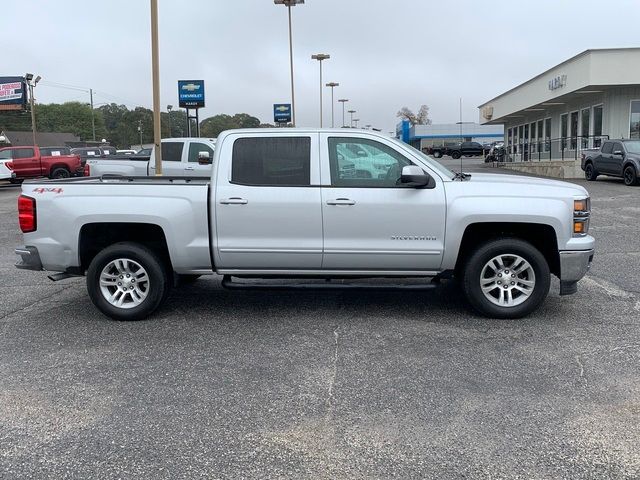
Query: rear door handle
341, 201
234, 201
189, 168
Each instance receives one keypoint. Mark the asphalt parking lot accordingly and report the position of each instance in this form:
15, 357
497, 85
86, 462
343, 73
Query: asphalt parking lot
227, 384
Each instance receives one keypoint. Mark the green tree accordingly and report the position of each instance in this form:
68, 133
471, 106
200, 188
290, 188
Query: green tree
213, 126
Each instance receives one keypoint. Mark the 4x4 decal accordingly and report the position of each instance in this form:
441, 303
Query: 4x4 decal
48, 190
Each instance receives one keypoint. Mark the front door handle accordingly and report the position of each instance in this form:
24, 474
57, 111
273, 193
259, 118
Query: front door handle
341, 201
234, 201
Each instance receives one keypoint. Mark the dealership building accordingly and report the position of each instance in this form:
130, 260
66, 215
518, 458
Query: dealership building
552, 117
424, 136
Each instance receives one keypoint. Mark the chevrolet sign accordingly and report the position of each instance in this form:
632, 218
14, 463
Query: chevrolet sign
191, 93
282, 112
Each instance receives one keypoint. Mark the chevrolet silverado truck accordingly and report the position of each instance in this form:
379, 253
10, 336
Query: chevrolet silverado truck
30, 162
181, 157
616, 158
278, 205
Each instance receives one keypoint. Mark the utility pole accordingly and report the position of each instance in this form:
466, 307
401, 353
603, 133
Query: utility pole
155, 67
169, 108
140, 132
343, 101
31, 83
320, 57
352, 112
93, 120
332, 85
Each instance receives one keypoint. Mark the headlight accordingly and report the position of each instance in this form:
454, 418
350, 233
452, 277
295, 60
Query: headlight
581, 216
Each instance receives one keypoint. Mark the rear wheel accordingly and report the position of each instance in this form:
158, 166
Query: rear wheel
630, 176
590, 172
127, 281
437, 154
455, 155
60, 172
507, 278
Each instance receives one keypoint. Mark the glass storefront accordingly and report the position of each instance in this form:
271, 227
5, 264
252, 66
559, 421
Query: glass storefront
634, 120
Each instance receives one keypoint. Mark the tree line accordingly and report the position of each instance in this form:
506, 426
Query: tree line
117, 123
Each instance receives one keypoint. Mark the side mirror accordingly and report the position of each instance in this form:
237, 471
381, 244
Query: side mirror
618, 152
413, 176
204, 158
361, 153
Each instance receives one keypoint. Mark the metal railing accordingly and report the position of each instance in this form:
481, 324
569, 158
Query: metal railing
565, 148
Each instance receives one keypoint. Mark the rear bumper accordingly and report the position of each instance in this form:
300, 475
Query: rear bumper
574, 264
29, 258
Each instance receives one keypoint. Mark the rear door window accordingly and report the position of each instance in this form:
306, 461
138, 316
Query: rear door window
607, 147
23, 153
617, 147
172, 151
272, 161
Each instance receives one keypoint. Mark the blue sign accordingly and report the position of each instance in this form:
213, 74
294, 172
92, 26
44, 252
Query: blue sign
282, 112
191, 93
13, 95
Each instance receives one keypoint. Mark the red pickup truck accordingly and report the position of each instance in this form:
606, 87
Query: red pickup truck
27, 162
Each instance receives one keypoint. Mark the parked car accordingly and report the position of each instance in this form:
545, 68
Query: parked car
277, 206
616, 158
181, 157
28, 162
457, 150
5, 171
145, 151
93, 152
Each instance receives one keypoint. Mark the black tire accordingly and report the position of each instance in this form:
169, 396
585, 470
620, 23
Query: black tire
437, 154
455, 155
158, 285
60, 172
472, 272
187, 279
590, 172
16, 181
630, 176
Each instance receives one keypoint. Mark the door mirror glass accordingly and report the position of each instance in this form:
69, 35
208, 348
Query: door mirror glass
204, 158
414, 176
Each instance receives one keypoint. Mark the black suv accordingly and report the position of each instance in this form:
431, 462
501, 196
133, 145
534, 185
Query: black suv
468, 149
617, 158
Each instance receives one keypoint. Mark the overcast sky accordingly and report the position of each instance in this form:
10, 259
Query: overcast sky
384, 53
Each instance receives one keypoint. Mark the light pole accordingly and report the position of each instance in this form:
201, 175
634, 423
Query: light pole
343, 101
356, 120
32, 84
140, 132
289, 4
351, 112
169, 108
332, 85
320, 57
155, 74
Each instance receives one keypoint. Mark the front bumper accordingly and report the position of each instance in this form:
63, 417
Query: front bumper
29, 258
574, 264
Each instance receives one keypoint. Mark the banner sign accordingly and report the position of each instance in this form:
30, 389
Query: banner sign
191, 93
282, 112
13, 95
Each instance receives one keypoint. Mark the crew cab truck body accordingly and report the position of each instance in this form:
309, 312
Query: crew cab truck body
616, 158
279, 205
457, 150
181, 157
28, 162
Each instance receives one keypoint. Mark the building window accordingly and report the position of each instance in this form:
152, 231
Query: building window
520, 139
533, 137
634, 121
597, 126
540, 126
574, 130
547, 134
509, 141
585, 125
564, 129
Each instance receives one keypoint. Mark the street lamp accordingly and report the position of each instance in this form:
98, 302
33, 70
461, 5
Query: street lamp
289, 4
356, 120
140, 132
31, 82
352, 112
320, 57
332, 85
343, 101
169, 108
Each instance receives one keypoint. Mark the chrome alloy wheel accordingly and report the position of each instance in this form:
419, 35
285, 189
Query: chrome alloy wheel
124, 283
507, 280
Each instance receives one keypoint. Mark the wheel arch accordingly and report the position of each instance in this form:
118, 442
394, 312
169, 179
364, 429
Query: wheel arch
541, 236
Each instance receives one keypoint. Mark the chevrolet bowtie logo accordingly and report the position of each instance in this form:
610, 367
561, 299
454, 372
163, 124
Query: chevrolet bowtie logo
282, 108
191, 87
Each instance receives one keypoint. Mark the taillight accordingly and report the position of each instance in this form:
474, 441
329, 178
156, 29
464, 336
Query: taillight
87, 170
27, 214
9, 165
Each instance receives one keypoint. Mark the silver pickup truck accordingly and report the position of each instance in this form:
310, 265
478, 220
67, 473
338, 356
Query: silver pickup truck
279, 205
181, 157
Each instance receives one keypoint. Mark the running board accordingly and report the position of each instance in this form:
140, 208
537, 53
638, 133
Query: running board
327, 285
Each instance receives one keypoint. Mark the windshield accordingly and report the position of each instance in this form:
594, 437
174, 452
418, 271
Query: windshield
633, 147
441, 169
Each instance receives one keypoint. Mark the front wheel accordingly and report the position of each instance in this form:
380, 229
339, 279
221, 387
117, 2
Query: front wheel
127, 281
437, 154
506, 278
456, 155
590, 172
630, 176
